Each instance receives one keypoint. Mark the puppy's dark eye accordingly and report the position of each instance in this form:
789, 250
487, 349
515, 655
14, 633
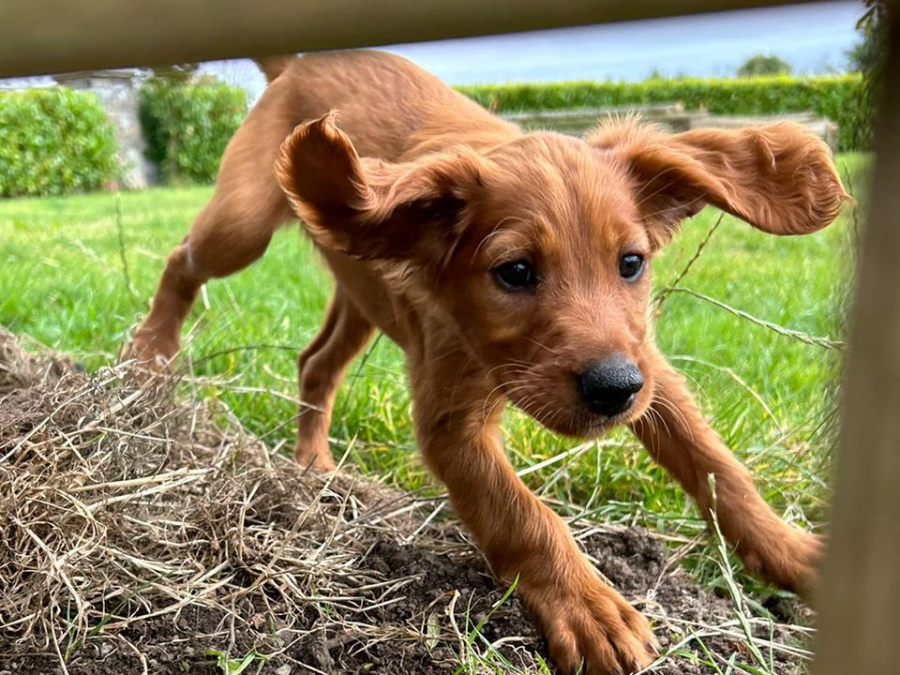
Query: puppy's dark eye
630, 266
517, 275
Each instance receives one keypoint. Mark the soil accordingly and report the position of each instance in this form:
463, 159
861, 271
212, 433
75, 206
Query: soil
631, 559
409, 598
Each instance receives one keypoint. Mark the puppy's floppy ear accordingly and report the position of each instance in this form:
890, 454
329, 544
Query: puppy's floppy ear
372, 209
779, 178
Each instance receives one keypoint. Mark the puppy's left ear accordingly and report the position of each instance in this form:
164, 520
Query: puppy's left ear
370, 209
779, 178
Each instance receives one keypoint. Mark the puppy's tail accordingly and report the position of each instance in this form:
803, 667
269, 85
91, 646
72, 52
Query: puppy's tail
273, 66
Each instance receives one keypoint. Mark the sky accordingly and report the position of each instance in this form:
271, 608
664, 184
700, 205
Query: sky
813, 37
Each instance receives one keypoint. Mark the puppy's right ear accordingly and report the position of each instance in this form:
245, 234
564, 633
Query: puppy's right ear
372, 209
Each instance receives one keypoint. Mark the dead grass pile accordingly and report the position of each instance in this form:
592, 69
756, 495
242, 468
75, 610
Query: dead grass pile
120, 505
141, 533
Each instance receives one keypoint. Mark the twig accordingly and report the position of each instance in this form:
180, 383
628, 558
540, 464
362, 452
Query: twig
813, 340
139, 482
121, 230
664, 293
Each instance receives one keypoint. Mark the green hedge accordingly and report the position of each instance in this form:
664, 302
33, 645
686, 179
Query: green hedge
53, 141
834, 96
187, 126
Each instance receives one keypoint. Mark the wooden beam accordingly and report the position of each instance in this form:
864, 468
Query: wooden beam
50, 36
859, 620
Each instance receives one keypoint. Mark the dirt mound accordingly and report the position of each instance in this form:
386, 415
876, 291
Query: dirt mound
146, 534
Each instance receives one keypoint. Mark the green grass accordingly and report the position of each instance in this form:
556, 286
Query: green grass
62, 281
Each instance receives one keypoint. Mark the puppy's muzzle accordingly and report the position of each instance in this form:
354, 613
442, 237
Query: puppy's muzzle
609, 386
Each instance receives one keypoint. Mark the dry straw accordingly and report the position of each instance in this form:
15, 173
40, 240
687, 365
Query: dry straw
135, 527
119, 505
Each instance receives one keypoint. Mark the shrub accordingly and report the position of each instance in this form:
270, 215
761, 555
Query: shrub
761, 64
54, 141
832, 96
187, 126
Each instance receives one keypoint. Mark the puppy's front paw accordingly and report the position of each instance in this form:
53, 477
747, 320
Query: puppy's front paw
151, 354
317, 458
790, 560
589, 625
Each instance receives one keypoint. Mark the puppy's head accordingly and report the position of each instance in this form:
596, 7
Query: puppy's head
536, 253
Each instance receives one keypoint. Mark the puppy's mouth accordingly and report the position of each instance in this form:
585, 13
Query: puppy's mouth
572, 417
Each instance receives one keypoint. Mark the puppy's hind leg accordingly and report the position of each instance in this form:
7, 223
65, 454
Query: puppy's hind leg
228, 235
320, 367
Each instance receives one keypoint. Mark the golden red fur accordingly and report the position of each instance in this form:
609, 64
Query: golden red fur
501, 262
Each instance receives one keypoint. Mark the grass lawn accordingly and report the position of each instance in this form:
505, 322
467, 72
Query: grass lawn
68, 279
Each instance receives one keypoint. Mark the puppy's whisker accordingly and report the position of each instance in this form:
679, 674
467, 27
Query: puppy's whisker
676, 415
657, 420
506, 390
498, 394
514, 366
653, 420
682, 422
543, 346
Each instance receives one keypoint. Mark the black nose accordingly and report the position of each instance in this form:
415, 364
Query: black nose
609, 386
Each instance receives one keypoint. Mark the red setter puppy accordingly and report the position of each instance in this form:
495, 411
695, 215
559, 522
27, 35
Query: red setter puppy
509, 266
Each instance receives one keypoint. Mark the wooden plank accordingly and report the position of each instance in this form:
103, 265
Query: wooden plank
859, 603
49, 36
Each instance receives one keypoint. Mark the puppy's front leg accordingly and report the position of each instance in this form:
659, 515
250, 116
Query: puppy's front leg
583, 619
679, 438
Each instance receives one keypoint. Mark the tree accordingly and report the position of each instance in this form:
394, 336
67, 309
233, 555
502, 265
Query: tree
868, 59
764, 65
175, 75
